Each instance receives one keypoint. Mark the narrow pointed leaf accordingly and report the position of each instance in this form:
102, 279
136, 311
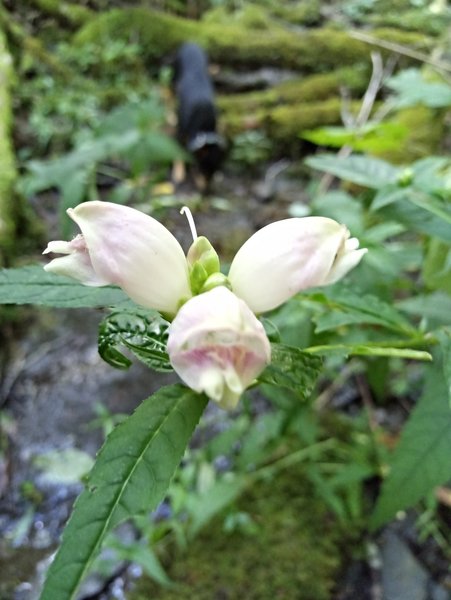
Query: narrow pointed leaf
348, 307
362, 170
370, 350
130, 476
422, 458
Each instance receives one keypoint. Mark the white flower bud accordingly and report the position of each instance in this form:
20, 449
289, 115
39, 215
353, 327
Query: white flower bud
123, 246
291, 255
218, 346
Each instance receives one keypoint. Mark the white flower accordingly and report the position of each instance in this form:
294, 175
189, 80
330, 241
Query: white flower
123, 246
218, 346
291, 255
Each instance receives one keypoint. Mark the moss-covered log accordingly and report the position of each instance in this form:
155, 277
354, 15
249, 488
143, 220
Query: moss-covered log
314, 50
260, 13
69, 13
413, 20
8, 171
311, 88
284, 123
32, 45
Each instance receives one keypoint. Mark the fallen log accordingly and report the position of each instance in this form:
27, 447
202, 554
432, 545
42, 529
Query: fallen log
310, 51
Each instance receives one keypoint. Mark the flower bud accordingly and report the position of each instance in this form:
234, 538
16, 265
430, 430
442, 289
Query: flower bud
203, 261
218, 346
123, 246
291, 255
201, 251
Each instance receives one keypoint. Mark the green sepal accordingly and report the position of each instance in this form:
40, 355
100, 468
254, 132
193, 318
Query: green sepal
216, 280
197, 277
201, 251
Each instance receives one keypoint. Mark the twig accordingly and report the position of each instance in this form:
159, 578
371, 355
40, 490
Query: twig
326, 395
378, 76
399, 49
367, 401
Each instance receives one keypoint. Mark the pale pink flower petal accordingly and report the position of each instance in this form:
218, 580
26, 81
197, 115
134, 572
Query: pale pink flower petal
76, 264
123, 246
218, 346
291, 255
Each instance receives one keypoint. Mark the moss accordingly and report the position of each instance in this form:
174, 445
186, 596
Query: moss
158, 34
288, 122
306, 89
283, 124
33, 46
8, 171
73, 14
298, 13
414, 20
312, 51
293, 554
259, 14
383, 6
250, 15
425, 128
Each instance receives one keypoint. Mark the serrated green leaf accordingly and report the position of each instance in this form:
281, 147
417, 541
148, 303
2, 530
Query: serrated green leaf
345, 307
293, 369
369, 172
430, 174
380, 232
33, 285
130, 477
436, 268
444, 338
342, 207
417, 215
435, 306
142, 331
412, 88
387, 195
422, 458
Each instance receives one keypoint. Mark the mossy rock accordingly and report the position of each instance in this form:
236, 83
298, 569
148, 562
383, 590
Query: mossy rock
293, 554
315, 50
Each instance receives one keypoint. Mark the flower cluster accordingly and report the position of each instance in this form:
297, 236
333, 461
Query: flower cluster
216, 343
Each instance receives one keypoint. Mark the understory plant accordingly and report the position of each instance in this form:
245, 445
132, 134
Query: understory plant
177, 312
